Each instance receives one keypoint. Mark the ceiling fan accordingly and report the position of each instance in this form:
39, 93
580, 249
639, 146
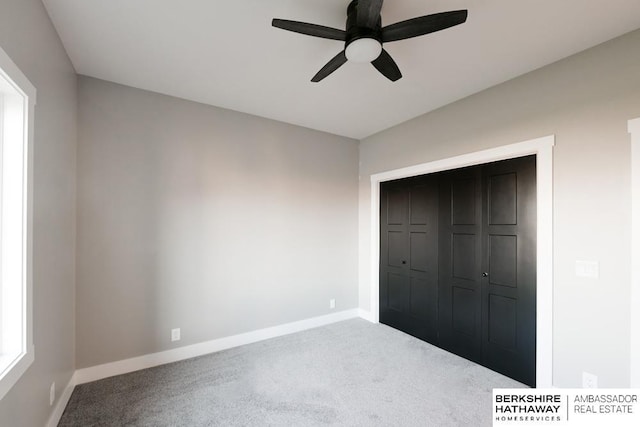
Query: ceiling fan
365, 35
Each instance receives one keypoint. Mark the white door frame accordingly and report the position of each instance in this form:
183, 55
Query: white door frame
634, 371
543, 149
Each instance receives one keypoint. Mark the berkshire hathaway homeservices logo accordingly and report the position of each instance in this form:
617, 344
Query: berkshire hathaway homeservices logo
527, 407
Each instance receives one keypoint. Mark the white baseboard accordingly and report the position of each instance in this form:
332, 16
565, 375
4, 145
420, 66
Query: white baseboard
366, 315
58, 410
99, 372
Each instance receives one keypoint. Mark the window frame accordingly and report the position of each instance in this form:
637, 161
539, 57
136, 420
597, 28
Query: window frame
19, 102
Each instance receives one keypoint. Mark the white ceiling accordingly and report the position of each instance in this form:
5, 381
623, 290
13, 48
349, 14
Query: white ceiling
225, 53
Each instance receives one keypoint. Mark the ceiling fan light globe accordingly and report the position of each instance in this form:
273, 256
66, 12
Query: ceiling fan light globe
363, 50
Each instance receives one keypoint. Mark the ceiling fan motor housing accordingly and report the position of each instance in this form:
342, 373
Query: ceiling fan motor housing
362, 44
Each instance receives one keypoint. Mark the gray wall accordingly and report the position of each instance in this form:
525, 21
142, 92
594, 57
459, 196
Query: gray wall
205, 219
585, 101
28, 37
220, 223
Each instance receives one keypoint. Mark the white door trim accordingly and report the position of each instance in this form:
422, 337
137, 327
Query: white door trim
543, 149
634, 371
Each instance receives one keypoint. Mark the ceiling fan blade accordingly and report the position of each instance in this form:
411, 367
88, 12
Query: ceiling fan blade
369, 13
423, 25
310, 29
387, 66
335, 63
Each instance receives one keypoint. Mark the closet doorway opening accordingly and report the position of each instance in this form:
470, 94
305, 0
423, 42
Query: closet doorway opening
542, 150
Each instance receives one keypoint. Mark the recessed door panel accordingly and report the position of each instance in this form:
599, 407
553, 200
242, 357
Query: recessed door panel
464, 256
397, 292
463, 201
396, 206
419, 298
396, 248
503, 260
502, 321
420, 206
419, 251
464, 310
503, 199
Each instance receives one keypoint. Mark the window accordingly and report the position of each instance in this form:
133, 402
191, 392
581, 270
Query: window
17, 102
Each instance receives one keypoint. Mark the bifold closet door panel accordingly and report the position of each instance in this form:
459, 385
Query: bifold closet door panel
460, 255
394, 281
509, 264
409, 257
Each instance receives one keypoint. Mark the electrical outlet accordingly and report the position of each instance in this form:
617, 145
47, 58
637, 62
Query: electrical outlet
589, 380
332, 303
175, 334
52, 393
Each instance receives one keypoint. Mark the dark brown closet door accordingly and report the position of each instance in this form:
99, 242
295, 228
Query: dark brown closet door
509, 267
460, 252
458, 262
409, 257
